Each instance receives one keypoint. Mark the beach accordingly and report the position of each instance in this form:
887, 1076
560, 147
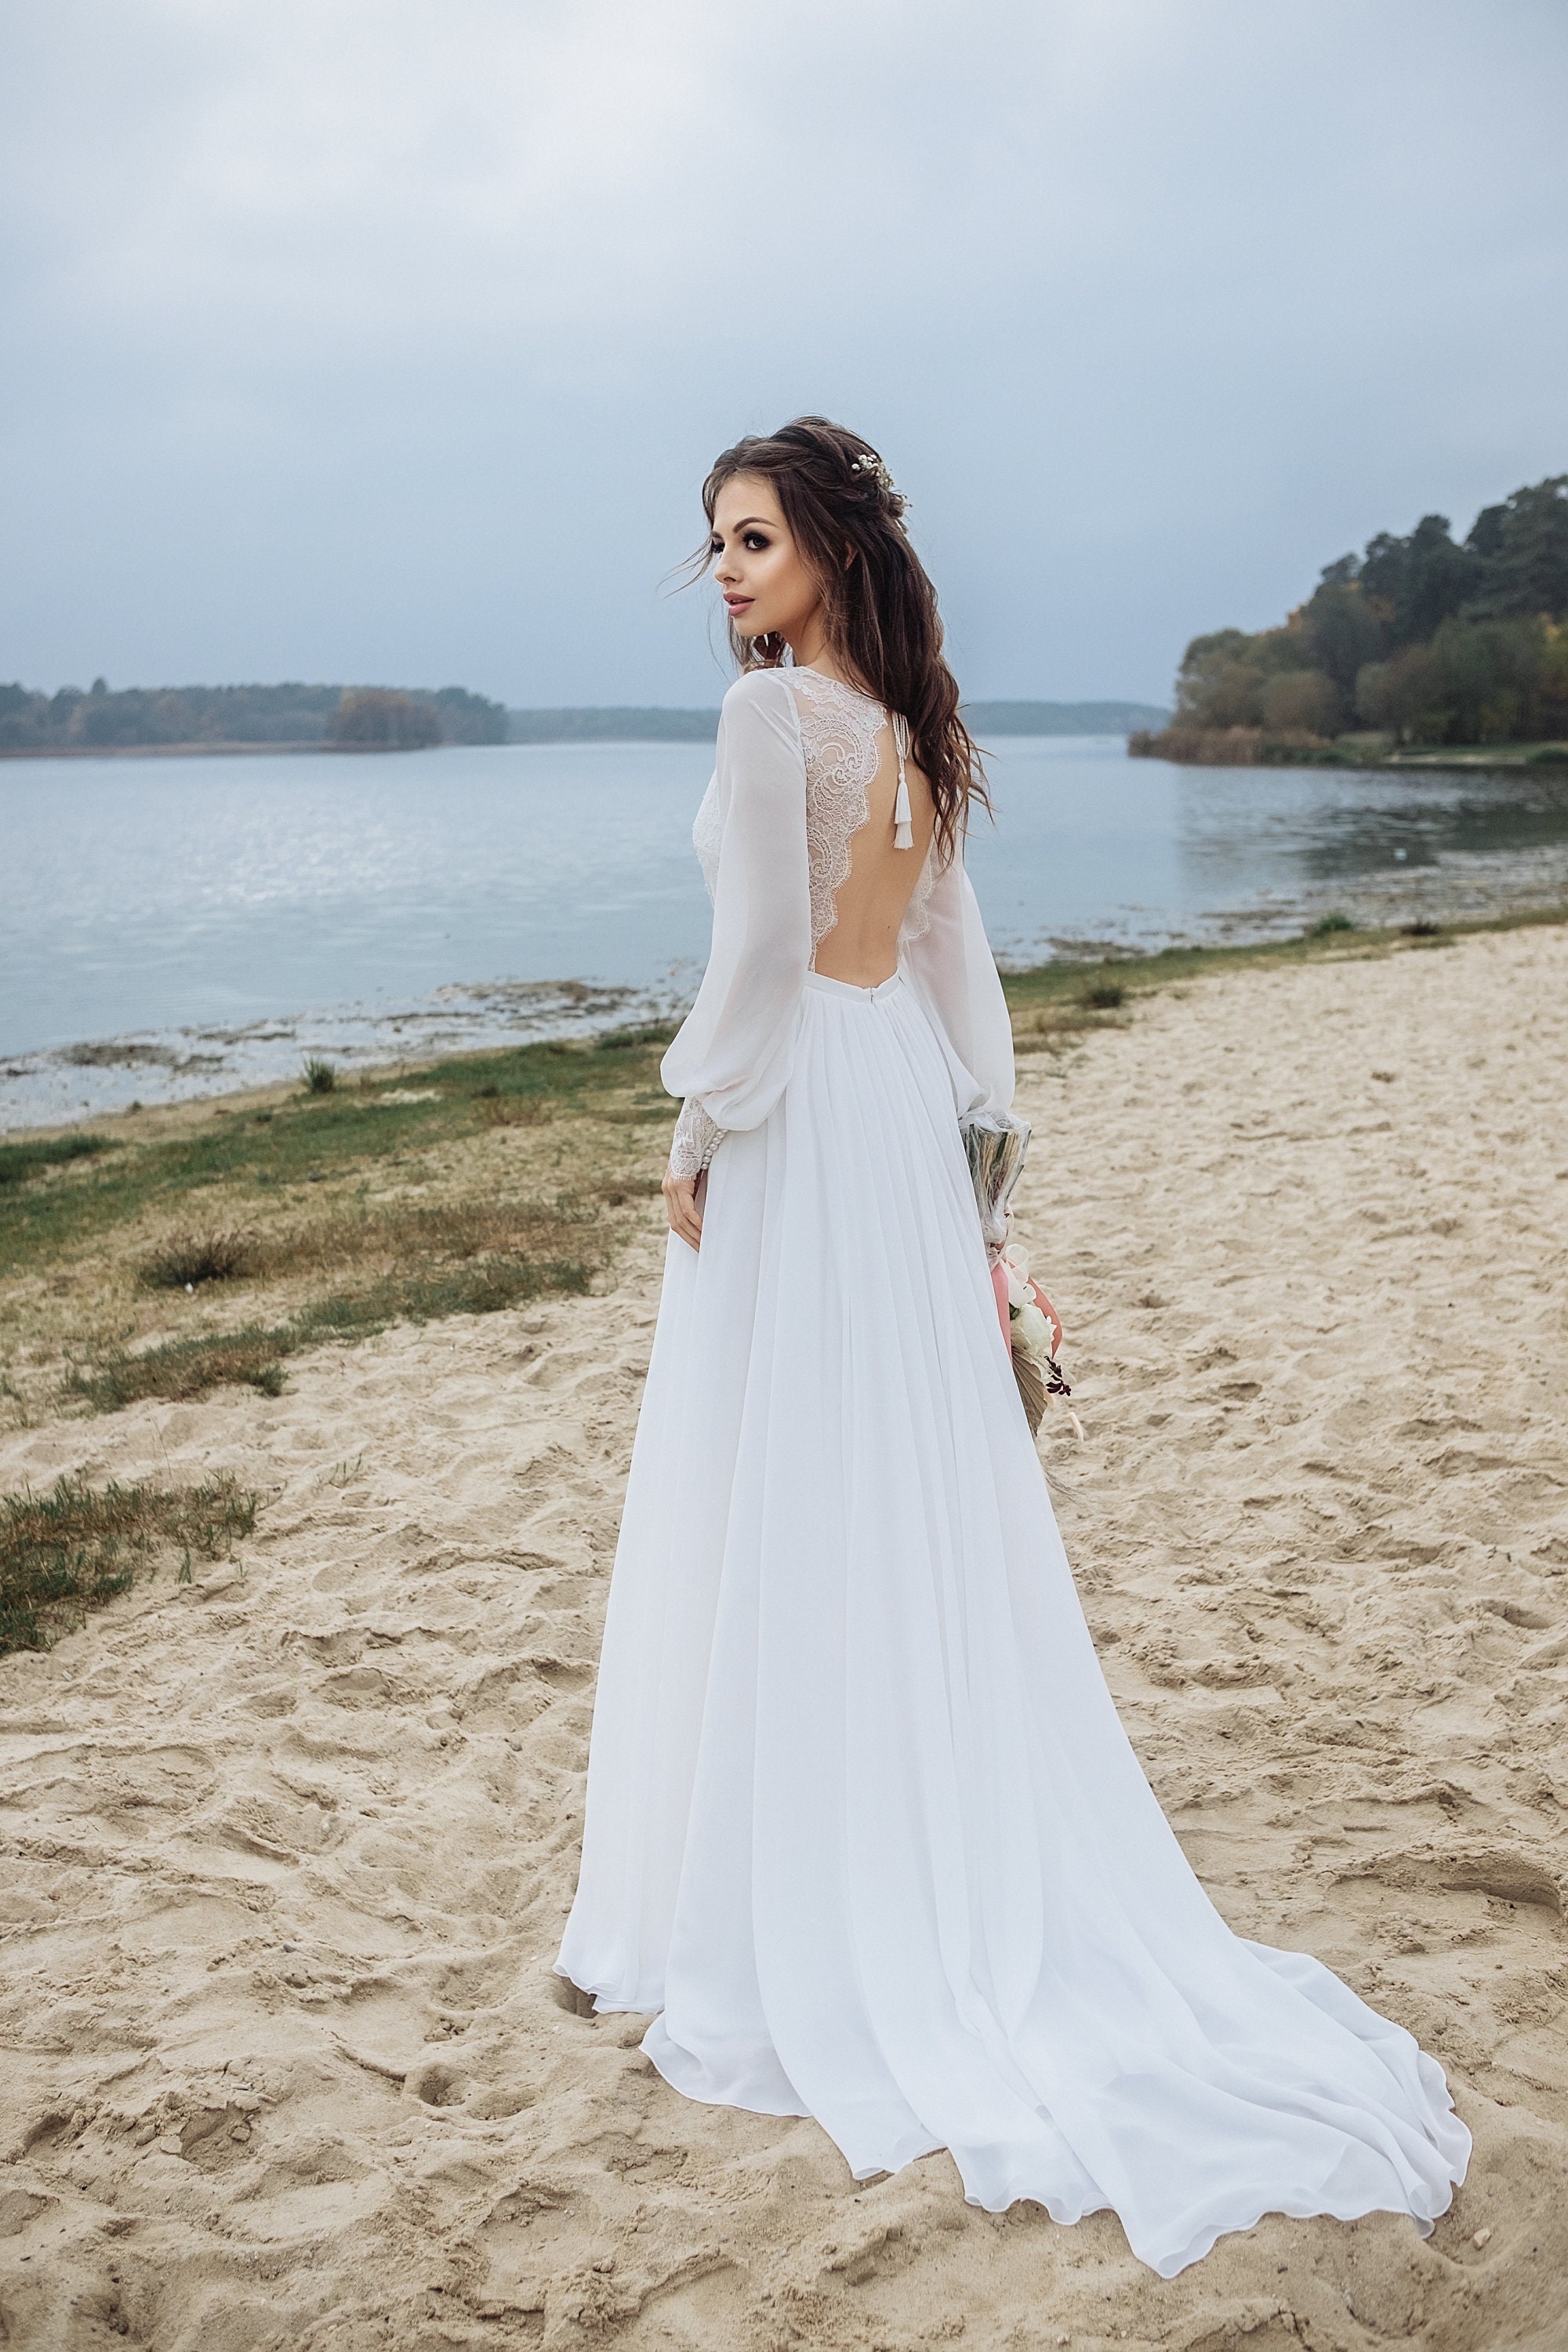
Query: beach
290, 1845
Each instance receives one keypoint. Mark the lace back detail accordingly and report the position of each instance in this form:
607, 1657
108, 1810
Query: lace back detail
838, 730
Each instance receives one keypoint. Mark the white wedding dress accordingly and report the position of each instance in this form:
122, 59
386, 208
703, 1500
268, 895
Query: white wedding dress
863, 1826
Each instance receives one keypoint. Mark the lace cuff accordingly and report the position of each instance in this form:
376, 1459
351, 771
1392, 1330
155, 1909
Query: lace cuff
696, 1137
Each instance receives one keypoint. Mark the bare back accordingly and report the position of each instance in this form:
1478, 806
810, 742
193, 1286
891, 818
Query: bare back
871, 902
860, 945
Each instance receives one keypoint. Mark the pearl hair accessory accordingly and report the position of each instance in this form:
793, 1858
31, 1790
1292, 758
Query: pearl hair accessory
875, 467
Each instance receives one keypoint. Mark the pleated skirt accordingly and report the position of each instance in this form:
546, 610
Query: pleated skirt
863, 1827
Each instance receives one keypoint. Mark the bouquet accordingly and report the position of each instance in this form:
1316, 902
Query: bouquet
996, 1143
1033, 1330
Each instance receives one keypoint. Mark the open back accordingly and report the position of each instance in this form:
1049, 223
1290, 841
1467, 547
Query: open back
865, 891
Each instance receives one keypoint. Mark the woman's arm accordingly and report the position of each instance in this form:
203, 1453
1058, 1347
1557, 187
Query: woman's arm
732, 1057
955, 972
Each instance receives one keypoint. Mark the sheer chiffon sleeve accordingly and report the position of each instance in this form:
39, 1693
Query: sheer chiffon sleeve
953, 968
730, 1058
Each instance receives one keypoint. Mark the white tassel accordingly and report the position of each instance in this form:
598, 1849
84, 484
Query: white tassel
903, 826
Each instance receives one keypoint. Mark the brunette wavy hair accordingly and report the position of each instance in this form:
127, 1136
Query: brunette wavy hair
878, 605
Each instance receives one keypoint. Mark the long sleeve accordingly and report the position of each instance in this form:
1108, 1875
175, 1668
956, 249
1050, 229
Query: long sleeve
731, 1056
955, 972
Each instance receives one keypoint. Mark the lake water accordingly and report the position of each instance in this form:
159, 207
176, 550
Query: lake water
172, 926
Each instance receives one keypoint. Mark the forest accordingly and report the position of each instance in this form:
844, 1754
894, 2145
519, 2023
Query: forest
1424, 641
243, 717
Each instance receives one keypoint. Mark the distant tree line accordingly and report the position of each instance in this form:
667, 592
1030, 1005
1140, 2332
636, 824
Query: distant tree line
333, 717
626, 723
1424, 640
379, 719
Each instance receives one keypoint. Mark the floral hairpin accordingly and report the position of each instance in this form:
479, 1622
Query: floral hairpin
874, 466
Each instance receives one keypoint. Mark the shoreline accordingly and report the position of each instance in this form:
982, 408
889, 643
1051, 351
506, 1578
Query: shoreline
1549, 756
1031, 990
96, 1075
1250, 747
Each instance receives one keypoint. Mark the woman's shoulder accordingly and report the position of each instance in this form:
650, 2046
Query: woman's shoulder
761, 716
765, 689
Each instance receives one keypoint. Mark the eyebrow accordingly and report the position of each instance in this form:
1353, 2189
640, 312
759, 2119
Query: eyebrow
747, 520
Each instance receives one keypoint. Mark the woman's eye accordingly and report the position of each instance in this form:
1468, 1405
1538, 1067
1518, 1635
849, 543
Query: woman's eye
754, 543
715, 547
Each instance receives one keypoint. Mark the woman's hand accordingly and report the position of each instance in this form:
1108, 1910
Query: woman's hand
682, 1203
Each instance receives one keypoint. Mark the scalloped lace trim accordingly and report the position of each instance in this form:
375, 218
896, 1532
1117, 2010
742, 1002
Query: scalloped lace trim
838, 730
916, 914
696, 1139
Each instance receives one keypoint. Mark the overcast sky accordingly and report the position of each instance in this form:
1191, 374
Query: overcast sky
389, 340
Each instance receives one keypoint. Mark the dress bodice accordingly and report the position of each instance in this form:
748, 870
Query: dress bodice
795, 760
839, 727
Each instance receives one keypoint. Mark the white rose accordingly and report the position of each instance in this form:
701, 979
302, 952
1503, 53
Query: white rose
1031, 1331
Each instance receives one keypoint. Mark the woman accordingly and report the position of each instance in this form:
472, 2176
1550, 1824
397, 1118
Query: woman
862, 1824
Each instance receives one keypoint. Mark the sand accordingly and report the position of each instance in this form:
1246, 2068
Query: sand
289, 1847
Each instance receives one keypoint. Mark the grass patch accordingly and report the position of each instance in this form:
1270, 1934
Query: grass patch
72, 1549
20, 1161
488, 1182
1327, 925
178, 1371
187, 1260
260, 1158
181, 1369
640, 1033
320, 1077
464, 1186
1423, 927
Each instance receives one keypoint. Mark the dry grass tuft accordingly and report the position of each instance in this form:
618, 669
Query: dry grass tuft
415, 1264
497, 1109
186, 1261
72, 1549
183, 1369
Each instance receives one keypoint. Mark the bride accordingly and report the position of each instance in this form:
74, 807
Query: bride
863, 1827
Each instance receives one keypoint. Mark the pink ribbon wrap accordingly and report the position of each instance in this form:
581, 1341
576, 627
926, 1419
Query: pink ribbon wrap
999, 1285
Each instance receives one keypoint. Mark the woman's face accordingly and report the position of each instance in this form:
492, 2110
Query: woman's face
766, 588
